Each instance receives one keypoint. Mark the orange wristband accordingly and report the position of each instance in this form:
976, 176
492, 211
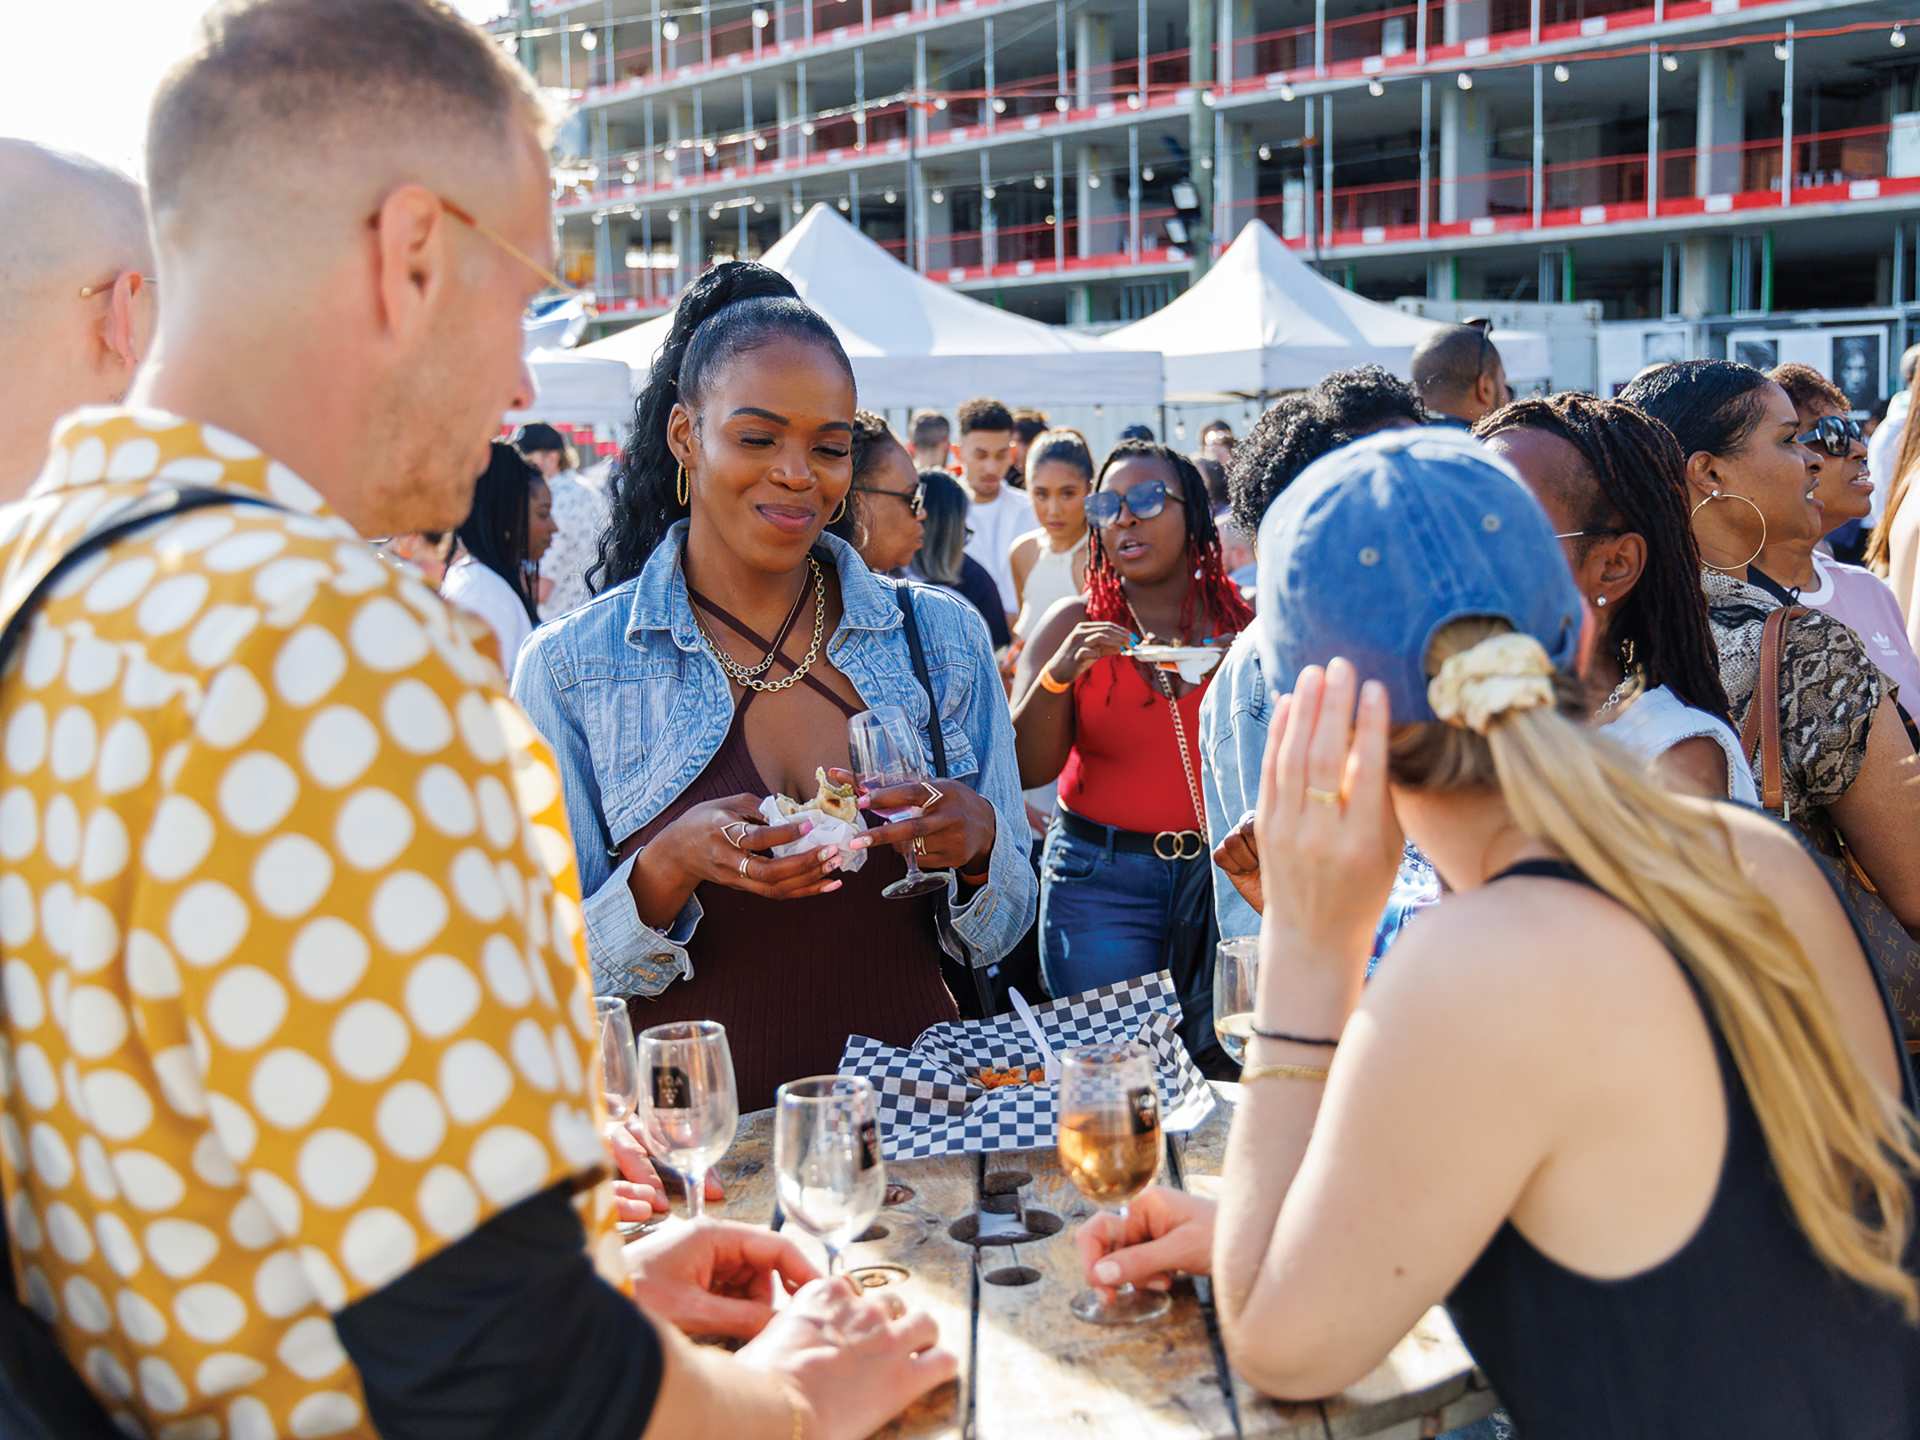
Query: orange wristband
1051, 685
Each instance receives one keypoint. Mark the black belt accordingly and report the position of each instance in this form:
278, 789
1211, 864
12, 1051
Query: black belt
1162, 845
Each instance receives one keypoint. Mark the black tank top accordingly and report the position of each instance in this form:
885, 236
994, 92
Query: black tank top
1742, 1335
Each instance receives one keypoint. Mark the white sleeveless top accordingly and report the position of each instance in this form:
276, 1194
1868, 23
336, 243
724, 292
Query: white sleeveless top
1050, 581
1658, 721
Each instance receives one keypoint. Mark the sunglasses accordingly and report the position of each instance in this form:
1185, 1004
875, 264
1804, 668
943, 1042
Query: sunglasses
916, 498
1835, 434
1143, 502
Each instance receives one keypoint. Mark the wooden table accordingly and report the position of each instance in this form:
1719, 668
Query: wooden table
1029, 1370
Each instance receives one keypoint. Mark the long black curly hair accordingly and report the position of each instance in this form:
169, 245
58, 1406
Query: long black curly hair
729, 310
495, 530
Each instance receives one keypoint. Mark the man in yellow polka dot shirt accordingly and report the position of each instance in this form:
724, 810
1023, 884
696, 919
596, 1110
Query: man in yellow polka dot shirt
297, 1039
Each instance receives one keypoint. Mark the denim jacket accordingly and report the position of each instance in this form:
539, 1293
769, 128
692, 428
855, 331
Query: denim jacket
635, 707
1235, 715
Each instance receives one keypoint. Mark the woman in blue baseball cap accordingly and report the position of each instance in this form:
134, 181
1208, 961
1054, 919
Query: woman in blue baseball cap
1637, 1067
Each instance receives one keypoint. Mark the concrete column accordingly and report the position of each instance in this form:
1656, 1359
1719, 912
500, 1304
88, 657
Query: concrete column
1705, 269
786, 111
1102, 204
1237, 26
1238, 185
1466, 155
1093, 74
681, 126
1441, 278
1464, 20
1721, 121
936, 67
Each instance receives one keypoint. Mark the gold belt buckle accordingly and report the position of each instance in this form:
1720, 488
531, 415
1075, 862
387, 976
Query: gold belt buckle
1176, 843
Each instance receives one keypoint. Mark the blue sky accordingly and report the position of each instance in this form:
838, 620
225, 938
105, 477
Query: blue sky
80, 76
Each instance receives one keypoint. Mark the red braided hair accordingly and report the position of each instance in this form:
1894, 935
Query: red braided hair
1225, 610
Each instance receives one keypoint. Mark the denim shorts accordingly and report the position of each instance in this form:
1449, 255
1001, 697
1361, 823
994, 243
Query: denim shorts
1108, 914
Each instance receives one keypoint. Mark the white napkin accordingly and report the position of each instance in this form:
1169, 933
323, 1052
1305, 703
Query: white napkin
826, 831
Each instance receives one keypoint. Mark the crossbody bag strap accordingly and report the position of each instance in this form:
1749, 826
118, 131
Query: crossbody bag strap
918, 652
148, 510
1763, 711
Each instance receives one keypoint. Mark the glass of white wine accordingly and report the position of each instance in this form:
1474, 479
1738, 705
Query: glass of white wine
689, 1108
826, 1159
1236, 974
1110, 1149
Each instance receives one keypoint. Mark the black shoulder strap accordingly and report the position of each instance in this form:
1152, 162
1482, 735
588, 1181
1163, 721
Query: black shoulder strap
904, 594
148, 510
41, 1395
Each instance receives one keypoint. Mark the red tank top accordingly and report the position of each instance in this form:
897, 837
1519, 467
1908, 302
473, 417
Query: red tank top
1124, 769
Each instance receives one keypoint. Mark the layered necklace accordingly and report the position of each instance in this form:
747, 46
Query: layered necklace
749, 675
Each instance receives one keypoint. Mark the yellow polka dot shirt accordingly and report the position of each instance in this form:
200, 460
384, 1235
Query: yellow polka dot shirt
290, 940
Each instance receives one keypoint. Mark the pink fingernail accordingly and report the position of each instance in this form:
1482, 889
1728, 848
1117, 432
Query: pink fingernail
830, 888
865, 802
806, 827
860, 844
1106, 1272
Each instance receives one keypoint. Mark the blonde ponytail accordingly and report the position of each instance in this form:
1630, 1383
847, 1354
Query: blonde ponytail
1835, 1139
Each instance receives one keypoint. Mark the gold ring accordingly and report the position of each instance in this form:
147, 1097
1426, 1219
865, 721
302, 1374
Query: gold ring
745, 861
920, 845
1324, 797
934, 795
735, 831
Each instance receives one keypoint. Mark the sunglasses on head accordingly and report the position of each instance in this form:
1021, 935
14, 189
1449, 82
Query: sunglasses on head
1143, 502
1835, 434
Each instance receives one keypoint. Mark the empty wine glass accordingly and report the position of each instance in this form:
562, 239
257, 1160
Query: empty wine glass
1110, 1149
886, 754
619, 1062
826, 1159
1236, 971
688, 1105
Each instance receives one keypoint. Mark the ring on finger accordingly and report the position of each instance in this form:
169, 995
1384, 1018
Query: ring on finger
934, 794
1323, 797
920, 845
735, 831
746, 862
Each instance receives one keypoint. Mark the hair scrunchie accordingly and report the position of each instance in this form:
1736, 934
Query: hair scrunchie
1500, 674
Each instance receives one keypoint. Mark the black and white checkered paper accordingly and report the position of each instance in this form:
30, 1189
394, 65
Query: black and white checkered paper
931, 1104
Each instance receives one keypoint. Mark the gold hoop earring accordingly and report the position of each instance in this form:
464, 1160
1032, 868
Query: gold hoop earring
1718, 495
681, 486
839, 512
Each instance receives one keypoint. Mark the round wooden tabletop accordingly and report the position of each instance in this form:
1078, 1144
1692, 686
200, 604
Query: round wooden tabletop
1030, 1369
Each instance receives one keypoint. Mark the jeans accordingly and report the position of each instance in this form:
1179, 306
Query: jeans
1108, 915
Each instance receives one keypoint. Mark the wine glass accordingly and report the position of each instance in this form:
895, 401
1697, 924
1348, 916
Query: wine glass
826, 1159
886, 753
1236, 973
619, 1061
688, 1104
1110, 1149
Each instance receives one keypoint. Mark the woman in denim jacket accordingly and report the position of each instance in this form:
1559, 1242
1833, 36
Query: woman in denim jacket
729, 644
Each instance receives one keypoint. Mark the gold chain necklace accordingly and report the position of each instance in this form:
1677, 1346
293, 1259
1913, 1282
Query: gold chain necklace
1179, 728
749, 675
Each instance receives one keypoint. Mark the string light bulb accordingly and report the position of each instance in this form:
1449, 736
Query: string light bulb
759, 207
760, 18
1463, 80
799, 208
588, 39
1781, 52
1060, 103
1286, 92
999, 107
1562, 74
670, 30
759, 142
990, 192
1093, 182
890, 196
845, 205
807, 129
1133, 101
1146, 174
1670, 63
1039, 182
939, 197
1266, 152
1898, 38
1375, 88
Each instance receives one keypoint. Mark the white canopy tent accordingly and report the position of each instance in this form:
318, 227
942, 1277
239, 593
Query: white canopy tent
578, 389
914, 341
1262, 321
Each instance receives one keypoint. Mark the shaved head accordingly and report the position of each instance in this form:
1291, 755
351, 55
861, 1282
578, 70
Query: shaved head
352, 206
66, 224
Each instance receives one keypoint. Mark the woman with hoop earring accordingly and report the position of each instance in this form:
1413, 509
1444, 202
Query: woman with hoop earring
1845, 756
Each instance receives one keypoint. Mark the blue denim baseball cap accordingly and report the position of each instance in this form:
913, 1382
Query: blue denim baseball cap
1379, 545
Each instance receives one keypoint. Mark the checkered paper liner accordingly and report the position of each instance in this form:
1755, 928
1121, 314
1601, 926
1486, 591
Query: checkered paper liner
930, 1103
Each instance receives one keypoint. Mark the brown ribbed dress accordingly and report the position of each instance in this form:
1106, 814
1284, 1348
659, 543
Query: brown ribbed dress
791, 979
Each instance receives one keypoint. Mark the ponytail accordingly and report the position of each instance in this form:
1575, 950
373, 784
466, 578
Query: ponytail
1834, 1139
727, 311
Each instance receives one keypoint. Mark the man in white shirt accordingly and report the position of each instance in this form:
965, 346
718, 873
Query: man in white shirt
1884, 449
999, 514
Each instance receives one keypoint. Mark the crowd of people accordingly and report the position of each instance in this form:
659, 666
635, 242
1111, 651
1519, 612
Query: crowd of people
1554, 748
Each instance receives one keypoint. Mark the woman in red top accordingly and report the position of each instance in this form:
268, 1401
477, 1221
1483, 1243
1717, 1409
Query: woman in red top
1126, 886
